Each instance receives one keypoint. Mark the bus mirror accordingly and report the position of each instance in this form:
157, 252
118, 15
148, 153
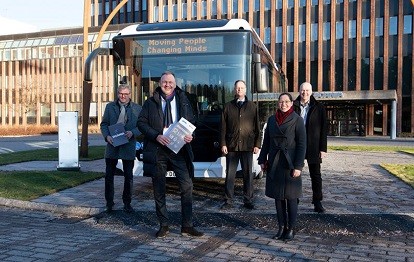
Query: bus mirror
260, 80
118, 51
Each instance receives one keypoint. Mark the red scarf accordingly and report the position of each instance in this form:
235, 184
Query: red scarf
281, 116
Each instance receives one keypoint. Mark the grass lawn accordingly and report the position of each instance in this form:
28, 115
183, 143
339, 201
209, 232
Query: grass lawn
49, 154
23, 185
403, 172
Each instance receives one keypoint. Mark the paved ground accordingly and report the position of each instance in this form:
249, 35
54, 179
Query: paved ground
370, 216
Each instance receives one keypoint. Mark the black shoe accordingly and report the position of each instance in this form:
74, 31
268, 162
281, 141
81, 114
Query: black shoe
191, 231
226, 205
109, 207
289, 235
248, 206
128, 208
318, 207
163, 232
279, 234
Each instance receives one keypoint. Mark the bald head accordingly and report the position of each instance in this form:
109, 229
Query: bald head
305, 92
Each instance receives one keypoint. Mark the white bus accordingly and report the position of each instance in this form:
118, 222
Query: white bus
207, 57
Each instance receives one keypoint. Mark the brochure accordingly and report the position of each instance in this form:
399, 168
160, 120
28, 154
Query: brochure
176, 133
117, 132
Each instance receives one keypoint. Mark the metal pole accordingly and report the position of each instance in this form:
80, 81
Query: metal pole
393, 124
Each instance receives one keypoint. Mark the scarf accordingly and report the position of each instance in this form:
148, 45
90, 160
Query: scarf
122, 115
168, 120
281, 116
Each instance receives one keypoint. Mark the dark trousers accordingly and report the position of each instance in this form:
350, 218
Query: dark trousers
128, 166
287, 212
246, 162
176, 162
316, 179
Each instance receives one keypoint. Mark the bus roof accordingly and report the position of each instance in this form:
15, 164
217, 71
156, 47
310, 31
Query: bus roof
186, 26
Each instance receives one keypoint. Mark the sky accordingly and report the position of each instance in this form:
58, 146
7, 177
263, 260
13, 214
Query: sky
24, 16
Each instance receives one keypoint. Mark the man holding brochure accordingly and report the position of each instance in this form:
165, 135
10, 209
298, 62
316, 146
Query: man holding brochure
166, 107
119, 129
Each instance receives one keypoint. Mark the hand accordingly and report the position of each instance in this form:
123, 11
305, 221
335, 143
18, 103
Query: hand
188, 138
296, 173
224, 150
163, 140
323, 154
128, 134
109, 139
255, 150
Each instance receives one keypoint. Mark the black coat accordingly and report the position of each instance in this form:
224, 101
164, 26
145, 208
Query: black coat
240, 130
283, 150
316, 129
150, 123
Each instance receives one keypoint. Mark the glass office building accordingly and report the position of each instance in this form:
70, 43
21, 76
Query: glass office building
357, 54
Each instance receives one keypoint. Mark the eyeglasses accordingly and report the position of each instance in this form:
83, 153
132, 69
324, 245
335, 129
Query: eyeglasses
285, 102
124, 94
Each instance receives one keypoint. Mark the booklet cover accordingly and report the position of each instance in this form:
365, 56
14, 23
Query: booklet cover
117, 132
176, 133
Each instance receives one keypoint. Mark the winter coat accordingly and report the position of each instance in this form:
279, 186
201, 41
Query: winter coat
316, 129
240, 130
150, 123
110, 117
283, 150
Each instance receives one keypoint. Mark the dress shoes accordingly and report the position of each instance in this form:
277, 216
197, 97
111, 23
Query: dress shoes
318, 207
109, 207
280, 233
289, 235
128, 208
163, 232
248, 206
226, 205
191, 232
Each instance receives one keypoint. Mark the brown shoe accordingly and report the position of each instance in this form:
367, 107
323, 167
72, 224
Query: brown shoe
163, 232
191, 231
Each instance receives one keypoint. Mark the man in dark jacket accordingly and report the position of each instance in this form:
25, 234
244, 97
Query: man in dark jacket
125, 112
240, 138
314, 116
167, 105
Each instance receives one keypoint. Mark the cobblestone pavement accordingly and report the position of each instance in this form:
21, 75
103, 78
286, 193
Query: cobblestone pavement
370, 217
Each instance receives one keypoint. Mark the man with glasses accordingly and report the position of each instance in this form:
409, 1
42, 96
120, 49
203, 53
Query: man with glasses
314, 117
124, 112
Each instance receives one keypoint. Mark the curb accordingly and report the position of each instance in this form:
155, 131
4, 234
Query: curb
60, 209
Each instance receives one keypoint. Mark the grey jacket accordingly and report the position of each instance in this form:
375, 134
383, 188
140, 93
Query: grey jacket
110, 117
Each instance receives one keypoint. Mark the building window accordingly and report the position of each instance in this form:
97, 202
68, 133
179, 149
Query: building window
365, 27
339, 30
267, 36
279, 35
184, 8
204, 9
352, 29
379, 26
408, 24
224, 7
267, 5
314, 32
290, 33
291, 3
302, 33
393, 25
326, 31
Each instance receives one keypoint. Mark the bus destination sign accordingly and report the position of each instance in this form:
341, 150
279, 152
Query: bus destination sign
182, 45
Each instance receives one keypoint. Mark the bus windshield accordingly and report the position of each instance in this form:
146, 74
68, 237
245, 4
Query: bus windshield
206, 65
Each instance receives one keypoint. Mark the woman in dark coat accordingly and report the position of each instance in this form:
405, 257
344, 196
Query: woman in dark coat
283, 155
